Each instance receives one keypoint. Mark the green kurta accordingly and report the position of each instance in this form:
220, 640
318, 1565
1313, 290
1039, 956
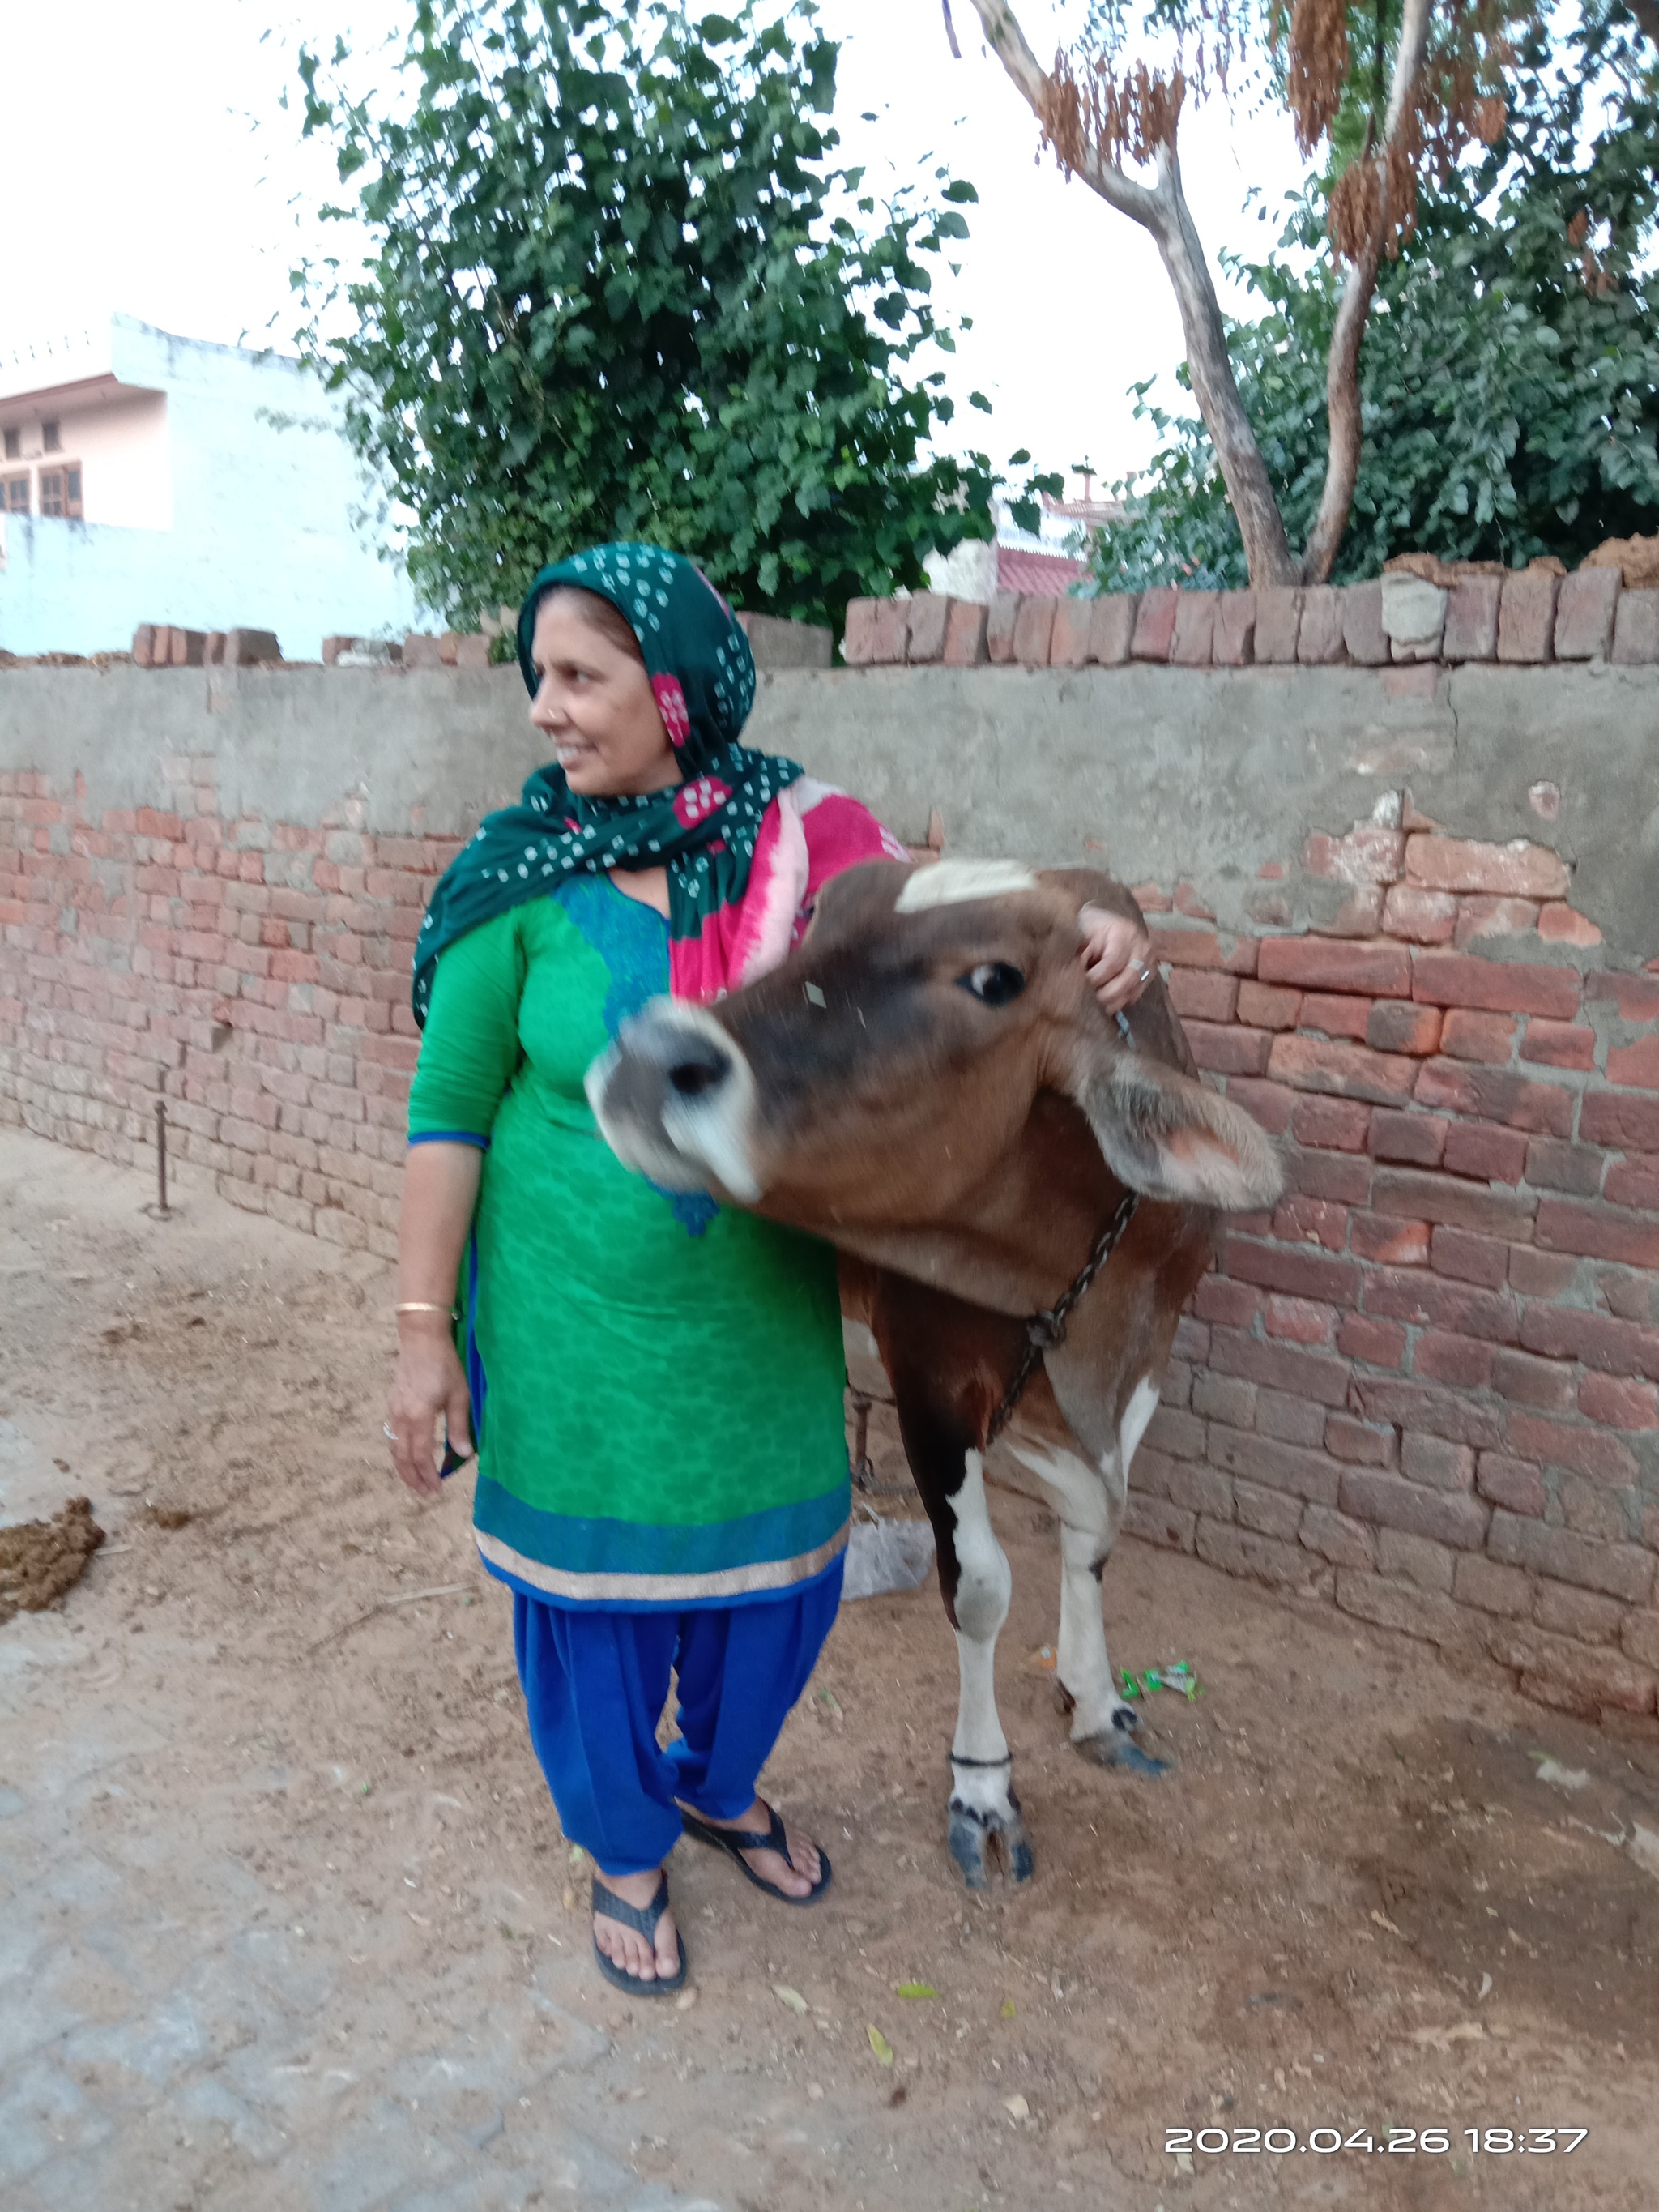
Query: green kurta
657, 1380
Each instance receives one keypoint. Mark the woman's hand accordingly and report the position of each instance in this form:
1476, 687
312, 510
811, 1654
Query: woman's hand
1117, 954
429, 1380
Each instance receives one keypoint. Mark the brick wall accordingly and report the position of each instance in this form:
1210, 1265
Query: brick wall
1423, 1390
253, 973
1425, 1387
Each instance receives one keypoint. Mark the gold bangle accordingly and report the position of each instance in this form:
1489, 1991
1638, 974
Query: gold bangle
423, 1305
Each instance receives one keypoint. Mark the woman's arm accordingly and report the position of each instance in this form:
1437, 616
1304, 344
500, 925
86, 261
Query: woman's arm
441, 1188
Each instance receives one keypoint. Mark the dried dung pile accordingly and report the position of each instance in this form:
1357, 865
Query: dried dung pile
41, 1559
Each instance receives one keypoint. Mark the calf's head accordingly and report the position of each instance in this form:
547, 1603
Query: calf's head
886, 1069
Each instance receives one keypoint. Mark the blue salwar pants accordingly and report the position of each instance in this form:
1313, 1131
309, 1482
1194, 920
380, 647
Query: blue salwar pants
595, 1683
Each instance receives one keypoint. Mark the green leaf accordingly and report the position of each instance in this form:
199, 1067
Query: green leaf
880, 2045
917, 1989
978, 399
793, 1998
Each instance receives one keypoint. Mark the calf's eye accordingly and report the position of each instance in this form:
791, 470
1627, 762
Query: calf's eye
993, 982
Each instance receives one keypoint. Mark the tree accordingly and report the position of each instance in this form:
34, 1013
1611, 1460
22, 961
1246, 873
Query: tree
1509, 385
616, 289
1426, 79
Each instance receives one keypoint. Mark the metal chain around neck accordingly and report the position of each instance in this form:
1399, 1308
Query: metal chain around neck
1046, 1331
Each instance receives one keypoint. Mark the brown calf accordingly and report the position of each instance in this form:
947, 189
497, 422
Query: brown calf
930, 1083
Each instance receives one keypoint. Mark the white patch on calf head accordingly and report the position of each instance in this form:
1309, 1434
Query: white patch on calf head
952, 883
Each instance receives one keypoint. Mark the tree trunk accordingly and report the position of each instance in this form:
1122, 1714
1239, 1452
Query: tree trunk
1164, 212
1342, 367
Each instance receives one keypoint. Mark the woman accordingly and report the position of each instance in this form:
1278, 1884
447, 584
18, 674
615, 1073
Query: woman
655, 1382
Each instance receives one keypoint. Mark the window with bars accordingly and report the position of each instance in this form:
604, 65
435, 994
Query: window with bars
14, 495
13, 444
60, 492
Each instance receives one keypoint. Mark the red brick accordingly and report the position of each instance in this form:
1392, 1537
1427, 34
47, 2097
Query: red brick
1192, 1339
1481, 1581
1517, 870
1544, 1384
1475, 1148
1614, 1347
1398, 1025
1636, 1064
928, 616
1349, 1071
1636, 997
1589, 1452
1377, 1343
1275, 1466
1632, 1297
1155, 623
1490, 1094
1290, 1420
1641, 1637
1202, 948
1634, 1182
1365, 854
1303, 1220
1068, 642
1558, 924
1584, 1615
1342, 1178
1337, 1017
1378, 970
1465, 1361
1299, 1272
1192, 641
1514, 1483
1421, 1197
1458, 978
1465, 1035
1436, 1463
1526, 615
1411, 1405
1300, 1320
1177, 1434
1360, 1443
1618, 1403
1559, 1671
1266, 1008
1584, 613
1418, 1138
965, 633
1205, 995
1421, 917
1636, 627
1469, 1259
1278, 619
1227, 1049
1000, 619
1340, 1124
1234, 641
1388, 1241
1494, 917
1234, 1305
1269, 1104
1621, 1569
1553, 1165
1391, 1502
1599, 1232
1313, 1375
1346, 1543
1420, 1560
1033, 628
1625, 1124
1471, 632
1320, 640
1112, 627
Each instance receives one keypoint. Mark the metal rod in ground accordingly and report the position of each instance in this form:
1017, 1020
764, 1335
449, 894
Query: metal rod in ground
162, 1159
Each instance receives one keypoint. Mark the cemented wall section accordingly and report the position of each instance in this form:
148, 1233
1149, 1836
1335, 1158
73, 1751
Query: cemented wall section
1410, 921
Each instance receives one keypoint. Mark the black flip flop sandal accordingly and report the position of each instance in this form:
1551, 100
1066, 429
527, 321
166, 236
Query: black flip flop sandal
734, 1842
643, 1919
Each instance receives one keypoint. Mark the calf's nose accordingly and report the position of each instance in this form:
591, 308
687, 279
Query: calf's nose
700, 1066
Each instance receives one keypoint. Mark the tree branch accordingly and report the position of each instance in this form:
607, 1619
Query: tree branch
1163, 211
1342, 408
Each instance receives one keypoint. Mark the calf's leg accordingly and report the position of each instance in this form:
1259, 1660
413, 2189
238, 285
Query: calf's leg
983, 1806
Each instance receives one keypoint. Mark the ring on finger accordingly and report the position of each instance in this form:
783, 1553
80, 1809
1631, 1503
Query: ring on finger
389, 1432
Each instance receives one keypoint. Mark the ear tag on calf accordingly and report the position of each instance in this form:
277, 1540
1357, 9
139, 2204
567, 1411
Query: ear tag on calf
1123, 1029
814, 996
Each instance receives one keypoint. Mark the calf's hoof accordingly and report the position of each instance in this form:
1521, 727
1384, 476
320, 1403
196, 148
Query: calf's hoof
1115, 1746
975, 1837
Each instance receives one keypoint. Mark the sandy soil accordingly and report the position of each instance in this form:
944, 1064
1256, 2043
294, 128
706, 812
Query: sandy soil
1295, 1929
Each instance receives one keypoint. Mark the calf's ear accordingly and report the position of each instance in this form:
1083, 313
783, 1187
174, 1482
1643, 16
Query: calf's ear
1168, 1137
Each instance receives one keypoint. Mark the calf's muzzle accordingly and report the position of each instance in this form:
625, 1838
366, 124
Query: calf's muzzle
674, 1099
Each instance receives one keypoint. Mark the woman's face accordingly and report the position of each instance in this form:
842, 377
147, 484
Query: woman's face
595, 702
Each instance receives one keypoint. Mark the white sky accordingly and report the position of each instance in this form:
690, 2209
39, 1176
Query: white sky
176, 188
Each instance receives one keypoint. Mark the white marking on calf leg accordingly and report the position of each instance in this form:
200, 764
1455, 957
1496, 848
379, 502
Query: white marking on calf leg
982, 1800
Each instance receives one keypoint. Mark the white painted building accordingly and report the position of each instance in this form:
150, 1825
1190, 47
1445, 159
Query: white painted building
145, 477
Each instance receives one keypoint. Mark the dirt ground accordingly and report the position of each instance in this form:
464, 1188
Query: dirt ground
280, 1711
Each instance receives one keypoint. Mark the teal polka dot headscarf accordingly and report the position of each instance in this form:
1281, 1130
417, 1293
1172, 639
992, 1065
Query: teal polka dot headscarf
703, 831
